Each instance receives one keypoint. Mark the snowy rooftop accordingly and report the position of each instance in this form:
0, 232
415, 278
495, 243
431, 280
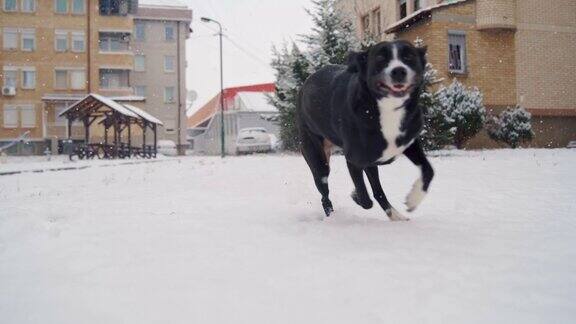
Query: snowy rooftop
162, 3
406, 21
254, 101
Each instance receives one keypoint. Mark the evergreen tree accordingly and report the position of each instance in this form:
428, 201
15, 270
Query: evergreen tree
463, 111
513, 126
291, 71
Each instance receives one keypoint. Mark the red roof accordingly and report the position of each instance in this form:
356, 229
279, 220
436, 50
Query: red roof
209, 109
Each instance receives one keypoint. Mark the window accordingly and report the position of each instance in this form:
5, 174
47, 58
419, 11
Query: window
60, 41
169, 32
114, 7
9, 5
140, 91
169, 63
114, 42
10, 78
78, 42
139, 31
10, 36
376, 22
28, 78
28, 113
10, 116
61, 6
60, 79
28, 5
403, 10
417, 5
169, 94
457, 52
365, 26
78, 6
139, 63
114, 78
77, 79
28, 40
60, 120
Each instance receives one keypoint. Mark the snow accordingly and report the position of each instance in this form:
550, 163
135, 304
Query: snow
163, 3
241, 240
255, 101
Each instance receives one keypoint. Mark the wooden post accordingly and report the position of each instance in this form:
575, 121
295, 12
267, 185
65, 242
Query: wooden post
69, 128
129, 139
87, 129
155, 137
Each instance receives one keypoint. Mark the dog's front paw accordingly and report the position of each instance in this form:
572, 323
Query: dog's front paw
395, 216
364, 202
416, 195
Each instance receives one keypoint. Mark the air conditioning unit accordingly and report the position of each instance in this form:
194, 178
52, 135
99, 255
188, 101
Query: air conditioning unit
8, 91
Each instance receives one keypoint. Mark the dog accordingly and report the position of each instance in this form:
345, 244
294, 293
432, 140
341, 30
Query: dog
369, 108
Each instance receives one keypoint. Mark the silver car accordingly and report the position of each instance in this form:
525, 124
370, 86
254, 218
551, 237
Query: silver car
254, 139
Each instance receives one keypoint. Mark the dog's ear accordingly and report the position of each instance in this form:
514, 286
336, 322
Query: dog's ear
422, 52
357, 61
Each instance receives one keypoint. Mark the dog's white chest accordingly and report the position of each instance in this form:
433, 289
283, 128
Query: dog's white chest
391, 116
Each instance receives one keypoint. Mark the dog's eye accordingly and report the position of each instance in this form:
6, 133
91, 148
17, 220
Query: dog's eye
407, 56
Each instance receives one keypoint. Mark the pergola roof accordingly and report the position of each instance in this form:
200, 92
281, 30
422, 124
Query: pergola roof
94, 101
144, 115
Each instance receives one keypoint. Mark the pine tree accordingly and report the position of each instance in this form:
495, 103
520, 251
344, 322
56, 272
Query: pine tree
291, 71
513, 126
331, 38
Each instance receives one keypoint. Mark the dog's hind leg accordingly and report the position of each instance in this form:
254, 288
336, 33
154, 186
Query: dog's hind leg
378, 192
315, 154
360, 194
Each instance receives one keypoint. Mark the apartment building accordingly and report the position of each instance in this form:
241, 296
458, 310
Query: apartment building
54, 52
516, 52
160, 33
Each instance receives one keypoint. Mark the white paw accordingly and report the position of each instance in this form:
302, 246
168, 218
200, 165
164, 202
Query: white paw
416, 195
395, 216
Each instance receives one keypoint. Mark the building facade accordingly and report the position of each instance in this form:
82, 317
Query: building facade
55, 52
516, 52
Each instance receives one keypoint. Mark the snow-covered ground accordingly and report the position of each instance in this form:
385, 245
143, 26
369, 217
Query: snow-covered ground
241, 240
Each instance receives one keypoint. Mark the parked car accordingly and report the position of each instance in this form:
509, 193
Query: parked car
167, 147
254, 139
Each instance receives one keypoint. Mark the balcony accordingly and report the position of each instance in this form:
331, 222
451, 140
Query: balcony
495, 14
115, 82
114, 42
117, 7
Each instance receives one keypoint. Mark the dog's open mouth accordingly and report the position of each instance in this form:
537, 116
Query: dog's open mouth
396, 90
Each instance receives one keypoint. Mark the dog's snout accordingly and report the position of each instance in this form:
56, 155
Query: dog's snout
399, 74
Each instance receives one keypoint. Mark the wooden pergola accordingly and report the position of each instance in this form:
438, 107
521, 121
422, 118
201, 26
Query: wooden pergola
114, 117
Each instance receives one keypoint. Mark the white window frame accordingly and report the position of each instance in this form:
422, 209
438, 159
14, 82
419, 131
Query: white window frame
73, 7
140, 67
76, 36
15, 116
463, 52
166, 98
59, 35
166, 60
23, 122
166, 27
70, 76
140, 93
59, 12
4, 2
34, 6
25, 70
14, 32
140, 26
14, 72
55, 86
28, 33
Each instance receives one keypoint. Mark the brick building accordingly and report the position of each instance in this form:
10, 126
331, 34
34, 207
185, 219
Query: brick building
515, 52
54, 52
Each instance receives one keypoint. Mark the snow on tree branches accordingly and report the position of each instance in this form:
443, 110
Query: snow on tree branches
513, 127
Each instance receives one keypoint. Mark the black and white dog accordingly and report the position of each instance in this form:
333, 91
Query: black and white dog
369, 109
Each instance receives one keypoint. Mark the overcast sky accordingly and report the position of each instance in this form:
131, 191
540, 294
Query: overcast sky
254, 25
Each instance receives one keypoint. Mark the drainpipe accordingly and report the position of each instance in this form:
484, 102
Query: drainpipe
180, 148
88, 46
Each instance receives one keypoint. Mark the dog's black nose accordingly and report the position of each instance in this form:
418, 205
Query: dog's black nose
399, 74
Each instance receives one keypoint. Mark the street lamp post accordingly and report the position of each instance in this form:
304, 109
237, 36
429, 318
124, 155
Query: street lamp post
222, 148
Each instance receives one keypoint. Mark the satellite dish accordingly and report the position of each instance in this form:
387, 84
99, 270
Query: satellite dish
191, 95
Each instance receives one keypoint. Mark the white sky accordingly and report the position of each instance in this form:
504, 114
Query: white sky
255, 25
